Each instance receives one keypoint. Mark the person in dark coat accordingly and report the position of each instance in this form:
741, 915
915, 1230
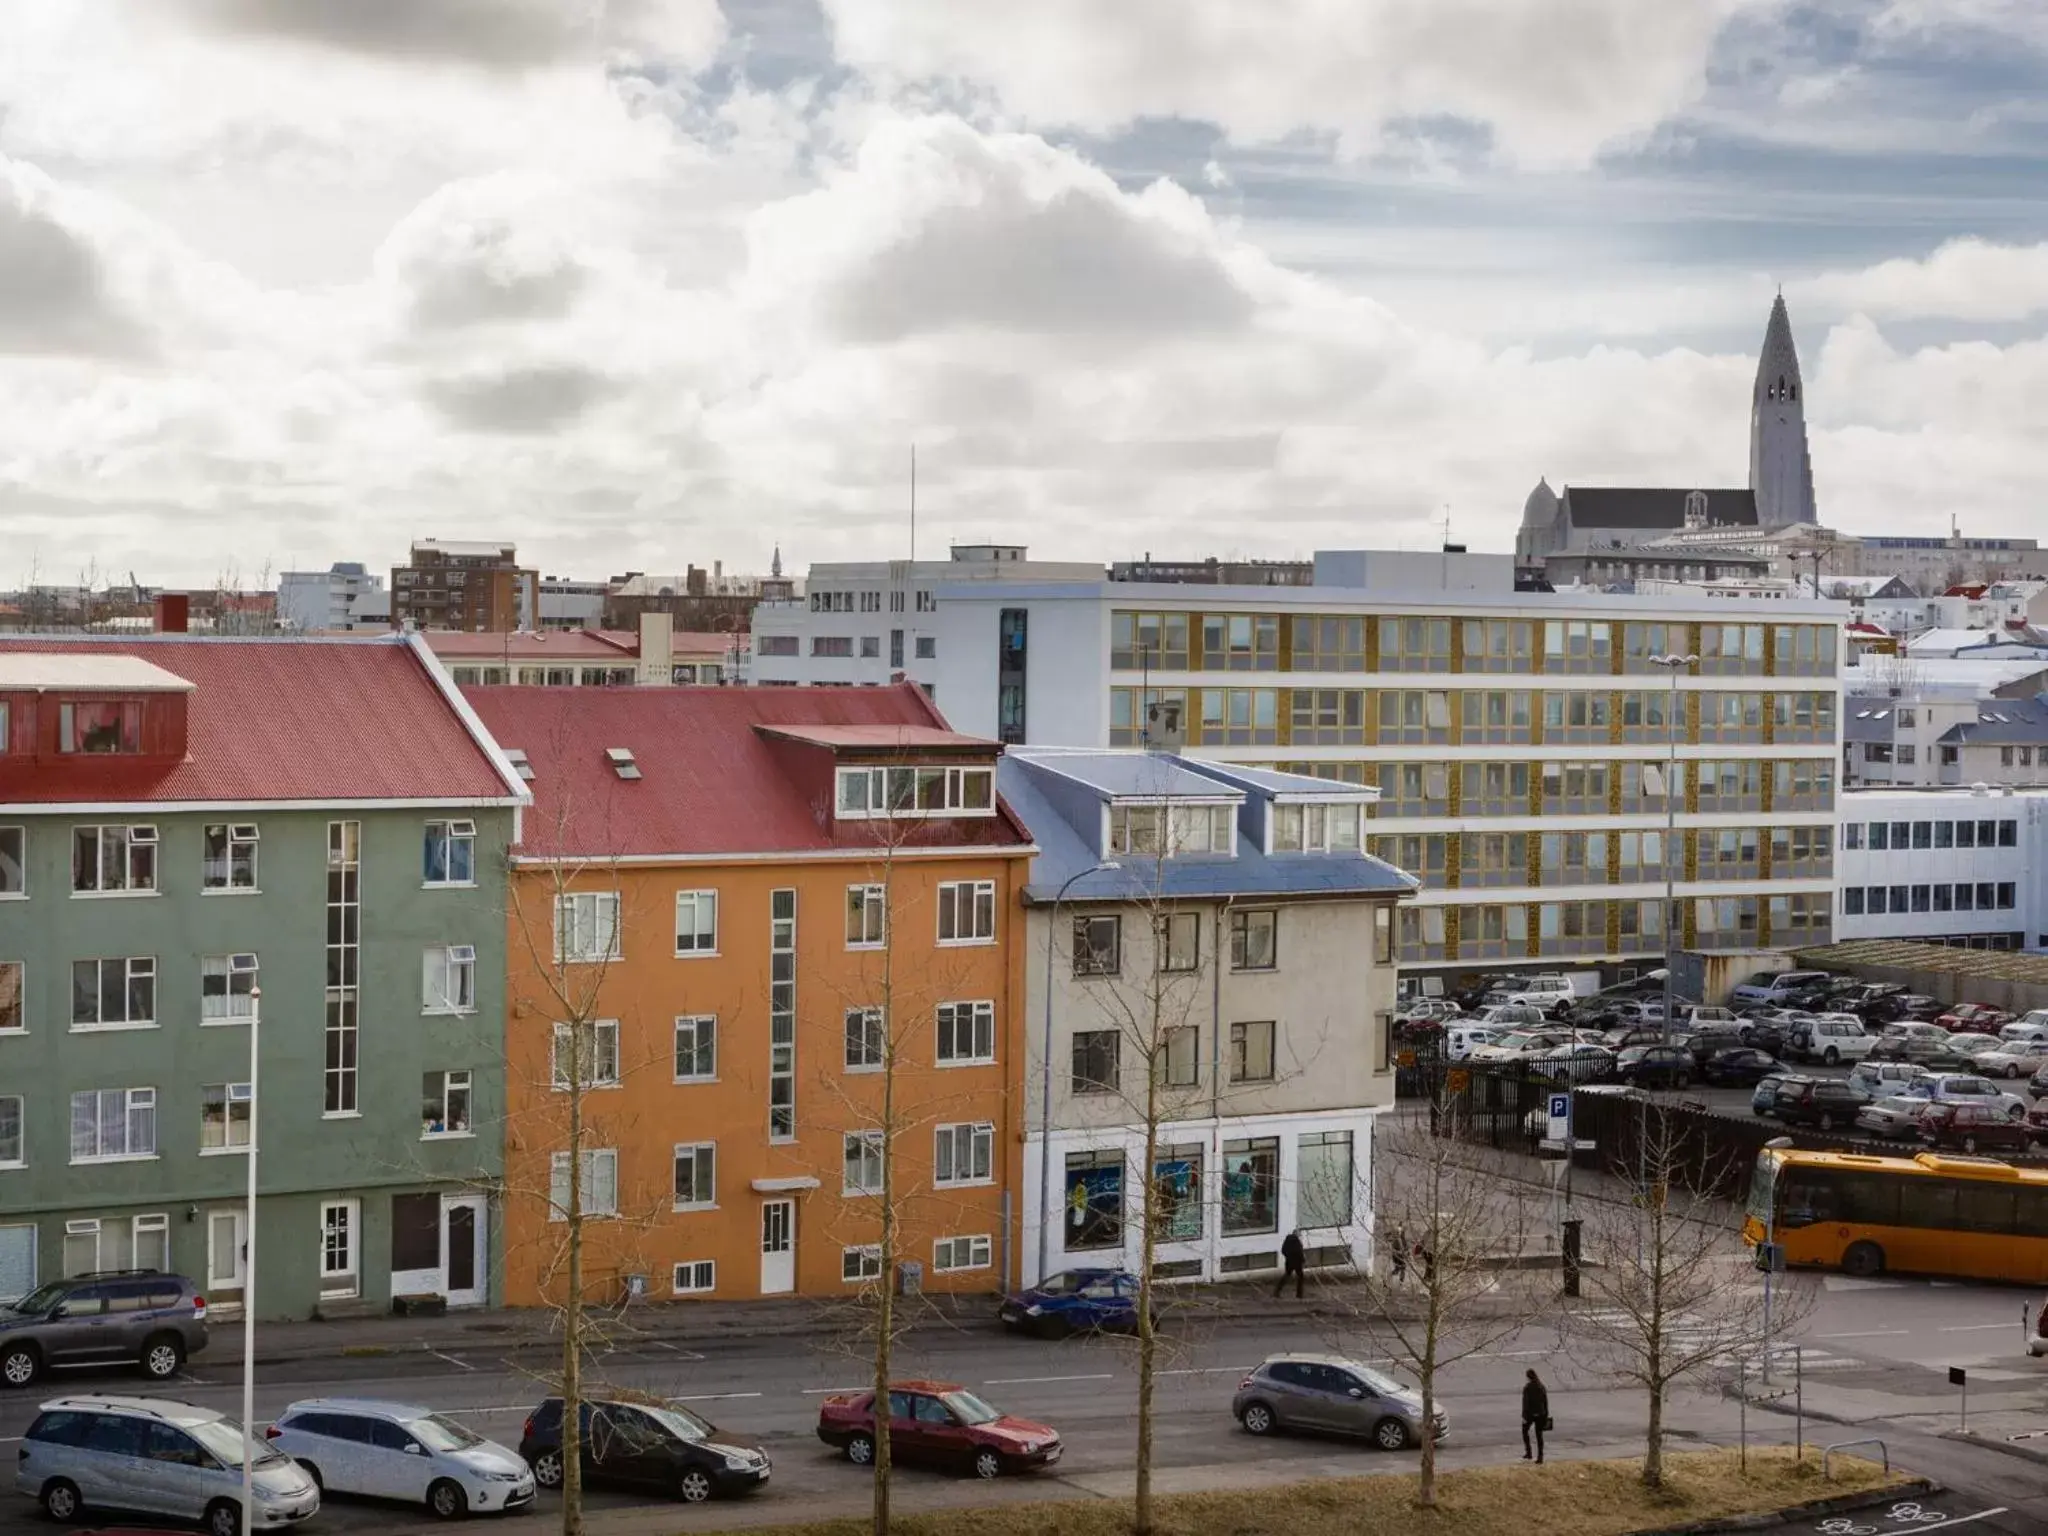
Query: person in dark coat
1292, 1256
1535, 1414
1398, 1252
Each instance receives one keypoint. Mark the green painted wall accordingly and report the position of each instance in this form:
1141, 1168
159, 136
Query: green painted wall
304, 1154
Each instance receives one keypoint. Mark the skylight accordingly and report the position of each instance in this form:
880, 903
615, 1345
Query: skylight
622, 762
519, 763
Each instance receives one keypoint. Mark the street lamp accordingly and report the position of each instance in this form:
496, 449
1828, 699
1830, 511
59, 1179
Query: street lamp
1052, 935
1673, 665
1776, 1143
249, 1286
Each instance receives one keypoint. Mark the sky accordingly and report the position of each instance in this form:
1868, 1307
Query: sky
648, 283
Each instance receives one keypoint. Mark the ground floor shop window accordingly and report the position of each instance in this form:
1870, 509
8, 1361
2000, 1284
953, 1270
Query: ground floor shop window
1177, 1193
1094, 1200
1251, 1184
1323, 1180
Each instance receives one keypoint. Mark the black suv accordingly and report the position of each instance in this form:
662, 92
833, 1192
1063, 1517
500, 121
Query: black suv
662, 1447
105, 1317
1825, 1102
1656, 1066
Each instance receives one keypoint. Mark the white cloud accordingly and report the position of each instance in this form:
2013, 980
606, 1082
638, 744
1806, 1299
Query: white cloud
1966, 279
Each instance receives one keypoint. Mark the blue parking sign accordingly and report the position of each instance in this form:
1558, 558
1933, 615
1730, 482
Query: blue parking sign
1560, 1127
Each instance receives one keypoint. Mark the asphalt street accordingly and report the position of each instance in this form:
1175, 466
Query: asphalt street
1883, 1345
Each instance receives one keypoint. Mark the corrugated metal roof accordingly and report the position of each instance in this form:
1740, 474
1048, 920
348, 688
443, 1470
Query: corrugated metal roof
1112, 775
1902, 955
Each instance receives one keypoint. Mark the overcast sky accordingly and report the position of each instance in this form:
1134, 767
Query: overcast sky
641, 283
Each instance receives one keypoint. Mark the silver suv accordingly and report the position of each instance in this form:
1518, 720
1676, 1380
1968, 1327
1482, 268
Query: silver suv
1333, 1394
107, 1317
150, 1456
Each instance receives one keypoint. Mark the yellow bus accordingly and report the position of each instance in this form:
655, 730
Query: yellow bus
1967, 1217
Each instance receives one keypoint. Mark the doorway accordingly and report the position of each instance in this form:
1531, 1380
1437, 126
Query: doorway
464, 1248
778, 1247
227, 1256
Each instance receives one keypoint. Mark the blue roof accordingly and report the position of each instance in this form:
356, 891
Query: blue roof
1059, 798
1292, 785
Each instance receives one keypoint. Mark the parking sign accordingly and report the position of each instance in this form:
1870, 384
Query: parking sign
1560, 1116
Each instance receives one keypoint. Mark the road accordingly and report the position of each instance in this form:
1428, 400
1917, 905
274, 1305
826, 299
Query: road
1882, 1348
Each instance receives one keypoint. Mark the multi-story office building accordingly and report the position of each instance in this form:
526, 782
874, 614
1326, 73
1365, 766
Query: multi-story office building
309, 602
182, 823
1966, 867
654, 656
1523, 744
451, 584
1210, 953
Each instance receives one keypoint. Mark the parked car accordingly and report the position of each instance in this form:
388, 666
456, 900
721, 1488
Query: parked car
1967, 1088
659, 1447
1423, 1010
1549, 991
1579, 1062
1074, 1301
1462, 1039
2037, 1120
1767, 1029
1641, 1034
152, 1456
1741, 1067
1829, 1038
1712, 1040
1521, 1045
2037, 1085
1973, 1016
1873, 1080
937, 1424
2011, 1058
2037, 1343
400, 1451
1774, 988
109, 1316
1474, 992
1767, 1089
1894, 1117
2031, 1030
1968, 1042
1508, 1017
1971, 1128
1821, 1102
1655, 1066
1934, 1055
1914, 1029
1335, 1395
1903, 1006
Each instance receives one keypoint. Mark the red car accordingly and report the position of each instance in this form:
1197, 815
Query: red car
1973, 1128
1968, 1017
938, 1425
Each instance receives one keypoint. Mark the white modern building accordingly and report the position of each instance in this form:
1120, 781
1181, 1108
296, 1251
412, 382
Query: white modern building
1957, 866
1210, 951
311, 601
1524, 744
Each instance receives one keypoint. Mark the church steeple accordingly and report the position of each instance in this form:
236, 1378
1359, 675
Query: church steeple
1780, 468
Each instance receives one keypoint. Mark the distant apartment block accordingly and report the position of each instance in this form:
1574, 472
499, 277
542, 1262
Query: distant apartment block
450, 584
311, 601
651, 656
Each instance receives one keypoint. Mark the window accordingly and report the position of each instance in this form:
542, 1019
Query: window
113, 993
1098, 945
1316, 828
1251, 1183
1415, 645
1158, 641
696, 1188
587, 927
909, 793
863, 1155
832, 645
13, 1144
859, 1263
1180, 1057
696, 922
105, 860
1254, 940
1852, 834
224, 1117
107, 726
781, 1014
951, 1253
866, 916
775, 645
1094, 1200
694, 1276
1180, 941
967, 911
591, 1049
696, 1048
967, 1033
449, 853
341, 1038
871, 645
13, 861
927, 648
448, 979
109, 1123
1096, 1059
230, 857
227, 988
445, 1103
964, 1154
1323, 1179
597, 1184
866, 1040
1852, 901
1251, 1052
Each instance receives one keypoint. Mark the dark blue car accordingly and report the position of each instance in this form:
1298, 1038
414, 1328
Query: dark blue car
1074, 1301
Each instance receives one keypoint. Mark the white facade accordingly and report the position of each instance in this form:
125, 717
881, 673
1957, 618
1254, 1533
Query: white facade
1946, 866
331, 599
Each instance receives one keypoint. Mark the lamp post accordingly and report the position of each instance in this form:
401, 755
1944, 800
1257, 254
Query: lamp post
1776, 1143
1052, 935
249, 1285
1672, 664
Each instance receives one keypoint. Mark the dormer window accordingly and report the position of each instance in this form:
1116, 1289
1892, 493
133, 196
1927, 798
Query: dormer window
109, 725
909, 793
1316, 828
1169, 831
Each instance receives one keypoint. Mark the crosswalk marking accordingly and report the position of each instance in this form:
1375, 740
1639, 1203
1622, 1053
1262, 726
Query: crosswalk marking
1685, 1331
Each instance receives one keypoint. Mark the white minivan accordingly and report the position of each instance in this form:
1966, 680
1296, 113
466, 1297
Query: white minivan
397, 1451
1461, 1040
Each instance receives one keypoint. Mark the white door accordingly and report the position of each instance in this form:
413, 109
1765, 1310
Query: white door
464, 1250
778, 1247
227, 1255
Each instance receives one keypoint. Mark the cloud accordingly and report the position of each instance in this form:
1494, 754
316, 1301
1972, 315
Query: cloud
483, 251
54, 292
1966, 279
531, 399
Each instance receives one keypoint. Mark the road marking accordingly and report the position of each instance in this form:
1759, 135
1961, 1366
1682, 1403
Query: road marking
449, 1358
1982, 1514
1024, 1381
1871, 1333
1208, 1370
1506, 1354
710, 1397
1973, 1327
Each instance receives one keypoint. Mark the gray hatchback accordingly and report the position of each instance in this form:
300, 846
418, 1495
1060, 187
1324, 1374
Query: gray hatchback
1333, 1395
108, 1317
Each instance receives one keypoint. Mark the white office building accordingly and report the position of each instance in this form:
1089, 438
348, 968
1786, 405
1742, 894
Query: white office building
1966, 867
310, 601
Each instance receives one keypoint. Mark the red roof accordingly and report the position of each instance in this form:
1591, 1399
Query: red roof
710, 782
288, 719
879, 738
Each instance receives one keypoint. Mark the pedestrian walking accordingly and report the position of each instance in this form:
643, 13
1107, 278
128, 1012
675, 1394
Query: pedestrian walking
1292, 1256
1398, 1250
1535, 1415
1428, 1257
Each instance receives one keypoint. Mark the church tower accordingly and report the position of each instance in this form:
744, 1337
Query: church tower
1780, 469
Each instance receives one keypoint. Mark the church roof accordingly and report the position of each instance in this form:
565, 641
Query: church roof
1540, 510
1779, 357
1638, 507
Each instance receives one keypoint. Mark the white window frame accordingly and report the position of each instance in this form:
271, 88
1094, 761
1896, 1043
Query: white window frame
874, 916
978, 1014
949, 1257
1313, 826
699, 940
586, 912
860, 1263
454, 832
602, 1031
233, 968
34, 1257
18, 969
237, 835
134, 1101
449, 1087
156, 1225
874, 1032
136, 967
703, 1157
871, 1149
16, 840
964, 896
862, 794
600, 1168
694, 1277
135, 836
448, 979
976, 1139
351, 1228
19, 1158
698, 1026
232, 1094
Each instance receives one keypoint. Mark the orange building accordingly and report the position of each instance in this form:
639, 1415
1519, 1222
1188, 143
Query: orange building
745, 915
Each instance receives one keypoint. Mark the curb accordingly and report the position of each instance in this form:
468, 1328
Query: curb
1817, 1508
2003, 1447
1777, 1406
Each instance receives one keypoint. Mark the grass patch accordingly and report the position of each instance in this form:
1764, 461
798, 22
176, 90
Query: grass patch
1559, 1498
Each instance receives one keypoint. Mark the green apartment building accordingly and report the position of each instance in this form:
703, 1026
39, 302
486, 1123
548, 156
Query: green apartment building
193, 830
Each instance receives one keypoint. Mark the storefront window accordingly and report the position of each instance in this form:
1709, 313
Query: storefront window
1095, 1200
1323, 1176
1251, 1185
1178, 1193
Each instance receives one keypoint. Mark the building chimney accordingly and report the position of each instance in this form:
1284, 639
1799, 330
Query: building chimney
173, 613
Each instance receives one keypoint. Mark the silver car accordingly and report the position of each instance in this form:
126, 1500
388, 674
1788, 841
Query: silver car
398, 1451
1897, 1116
1334, 1395
151, 1456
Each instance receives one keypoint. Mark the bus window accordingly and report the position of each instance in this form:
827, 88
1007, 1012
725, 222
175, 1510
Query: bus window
2031, 1212
1807, 1196
1867, 1198
1984, 1208
1927, 1203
